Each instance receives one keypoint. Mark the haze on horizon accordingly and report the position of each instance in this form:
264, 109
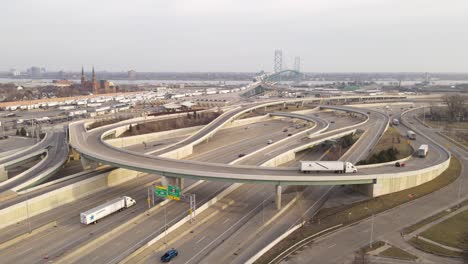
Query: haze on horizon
235, 36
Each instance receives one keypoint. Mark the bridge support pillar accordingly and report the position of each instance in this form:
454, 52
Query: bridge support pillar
167, 180
278, 197
88, 164
3, 174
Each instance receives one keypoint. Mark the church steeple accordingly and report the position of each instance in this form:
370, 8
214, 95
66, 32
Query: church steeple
83, 79
94, 75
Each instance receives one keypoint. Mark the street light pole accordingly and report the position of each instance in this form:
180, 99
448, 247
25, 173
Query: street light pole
460, 191
165, 224
27, 212
372, 231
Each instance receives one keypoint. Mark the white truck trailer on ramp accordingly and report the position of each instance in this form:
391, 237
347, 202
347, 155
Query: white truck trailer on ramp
328, 166
103, 210
422, 150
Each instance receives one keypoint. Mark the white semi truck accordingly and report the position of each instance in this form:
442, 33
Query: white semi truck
328, 166
103, 210
422, 150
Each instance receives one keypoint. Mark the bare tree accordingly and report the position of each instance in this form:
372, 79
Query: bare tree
456, 106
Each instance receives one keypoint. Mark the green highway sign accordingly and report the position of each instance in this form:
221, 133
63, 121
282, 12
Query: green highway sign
160, 191
173, 192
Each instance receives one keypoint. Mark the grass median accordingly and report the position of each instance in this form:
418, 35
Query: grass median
397, 253
452, 232
348, 214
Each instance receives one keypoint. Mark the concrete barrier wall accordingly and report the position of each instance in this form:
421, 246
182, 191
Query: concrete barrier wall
383, 164
139, 139
64, 195
291, 154
390, 183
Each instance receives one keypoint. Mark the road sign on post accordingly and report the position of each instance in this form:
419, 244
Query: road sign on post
173, 192
160, 191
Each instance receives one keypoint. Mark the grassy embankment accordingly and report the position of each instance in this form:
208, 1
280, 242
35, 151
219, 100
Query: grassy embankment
392, 146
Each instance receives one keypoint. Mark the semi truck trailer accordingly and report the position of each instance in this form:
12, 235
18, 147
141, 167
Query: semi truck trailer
411, 135
103, 210
328, 166
422, 150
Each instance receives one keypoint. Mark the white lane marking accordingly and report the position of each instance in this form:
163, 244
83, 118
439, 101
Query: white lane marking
225, 221
331, 246
200, 240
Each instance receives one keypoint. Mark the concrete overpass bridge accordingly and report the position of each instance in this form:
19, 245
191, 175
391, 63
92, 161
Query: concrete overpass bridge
92, 147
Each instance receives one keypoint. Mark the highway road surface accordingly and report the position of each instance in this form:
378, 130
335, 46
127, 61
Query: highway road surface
57, 154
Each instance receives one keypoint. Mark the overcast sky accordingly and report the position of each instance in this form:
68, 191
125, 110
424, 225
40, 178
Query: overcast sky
235, 35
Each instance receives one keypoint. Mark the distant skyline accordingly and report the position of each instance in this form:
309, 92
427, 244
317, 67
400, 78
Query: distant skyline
235, 36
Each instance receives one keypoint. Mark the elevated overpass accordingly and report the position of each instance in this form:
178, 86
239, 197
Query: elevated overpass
92, 147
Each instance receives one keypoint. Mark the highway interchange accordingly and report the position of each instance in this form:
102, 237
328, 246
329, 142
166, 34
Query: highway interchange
234, 227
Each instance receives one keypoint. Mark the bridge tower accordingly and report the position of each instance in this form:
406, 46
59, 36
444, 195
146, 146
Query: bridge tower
297, 63
278, 64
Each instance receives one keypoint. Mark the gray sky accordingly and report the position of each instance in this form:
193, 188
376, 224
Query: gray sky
235, 35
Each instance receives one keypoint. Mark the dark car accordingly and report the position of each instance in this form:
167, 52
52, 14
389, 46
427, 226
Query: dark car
289, 135
399, 164
169, 255
241, 155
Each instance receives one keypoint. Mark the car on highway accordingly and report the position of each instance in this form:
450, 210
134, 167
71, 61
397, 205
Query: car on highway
289, 135
169, 255
241, 155
270, 141
285, 130
399, 164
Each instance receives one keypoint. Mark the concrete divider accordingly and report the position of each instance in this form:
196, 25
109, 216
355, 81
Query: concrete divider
64, 195
24, 236
288, 251
273, 243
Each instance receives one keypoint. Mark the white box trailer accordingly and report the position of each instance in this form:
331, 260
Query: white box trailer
411, 135
103, 210
328, 166
422, 150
